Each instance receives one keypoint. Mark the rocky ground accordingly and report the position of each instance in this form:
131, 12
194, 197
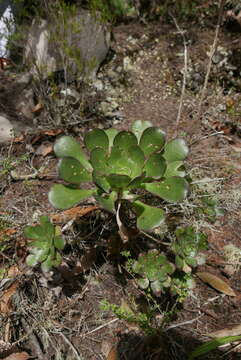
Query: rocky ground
58, 315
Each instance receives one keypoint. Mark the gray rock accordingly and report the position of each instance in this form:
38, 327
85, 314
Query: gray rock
25, 103
85, 46
6, 130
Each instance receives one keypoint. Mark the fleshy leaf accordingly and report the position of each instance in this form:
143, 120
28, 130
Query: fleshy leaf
143, 283
117, 181
174, 169
64, 197
31, 260
47, 264
156, 287
98, 159
96, 138
43, 232
101, 181
111, 133
139, 126
118, 162
125, 139
107, 201
67, 146
59, 242
173, 189
155, 166
148, 217
72, 171
152, 140
175, 150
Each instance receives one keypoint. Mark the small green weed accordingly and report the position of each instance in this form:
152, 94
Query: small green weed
46, 245
9, 163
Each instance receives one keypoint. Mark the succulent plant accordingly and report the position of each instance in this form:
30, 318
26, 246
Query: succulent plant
155, 271
187, 248
47, 242
118, 164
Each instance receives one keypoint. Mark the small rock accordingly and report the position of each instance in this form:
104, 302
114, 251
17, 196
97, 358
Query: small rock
6, 130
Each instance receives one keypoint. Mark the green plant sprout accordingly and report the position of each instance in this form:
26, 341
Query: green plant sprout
187, 248
119, 164
47, 242
155, 271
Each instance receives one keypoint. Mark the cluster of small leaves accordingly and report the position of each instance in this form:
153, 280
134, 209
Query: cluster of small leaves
47, 242
155, 271
181, 285
120, 163
211, 209
187, 248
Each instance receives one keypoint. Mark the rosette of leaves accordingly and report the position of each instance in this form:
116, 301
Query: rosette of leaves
187, 248
155, 271
47, 241
119, 163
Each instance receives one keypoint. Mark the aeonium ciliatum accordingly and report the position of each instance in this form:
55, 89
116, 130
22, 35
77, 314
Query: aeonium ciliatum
119, 164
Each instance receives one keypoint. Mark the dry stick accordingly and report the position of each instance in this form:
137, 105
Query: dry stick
184, 81
212, 52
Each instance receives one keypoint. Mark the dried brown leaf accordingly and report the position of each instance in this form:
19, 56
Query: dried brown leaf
72, 214
216, 283
44, 149
234, 331
5, 299
37, 108
113, 354
18, 356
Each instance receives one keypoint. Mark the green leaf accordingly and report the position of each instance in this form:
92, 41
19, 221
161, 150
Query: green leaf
47, 264
143, 283
139, 126
156, 287
34, 232
212, 345
127, 162
125, 139
175, 150
56, 261
37, 256
173, 189
59, 242
174, 169
98, 159
117, 181
72, 171
96, 138
148, 217
66, 146
64, 197
107, 201
43, 232
101, 181
41, 244
111, 133
137, 182
179, 262
118, 162
32, 260
155, 166
152, 140
169, 268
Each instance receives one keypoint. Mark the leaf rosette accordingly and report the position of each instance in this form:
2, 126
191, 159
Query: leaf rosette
118, 164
